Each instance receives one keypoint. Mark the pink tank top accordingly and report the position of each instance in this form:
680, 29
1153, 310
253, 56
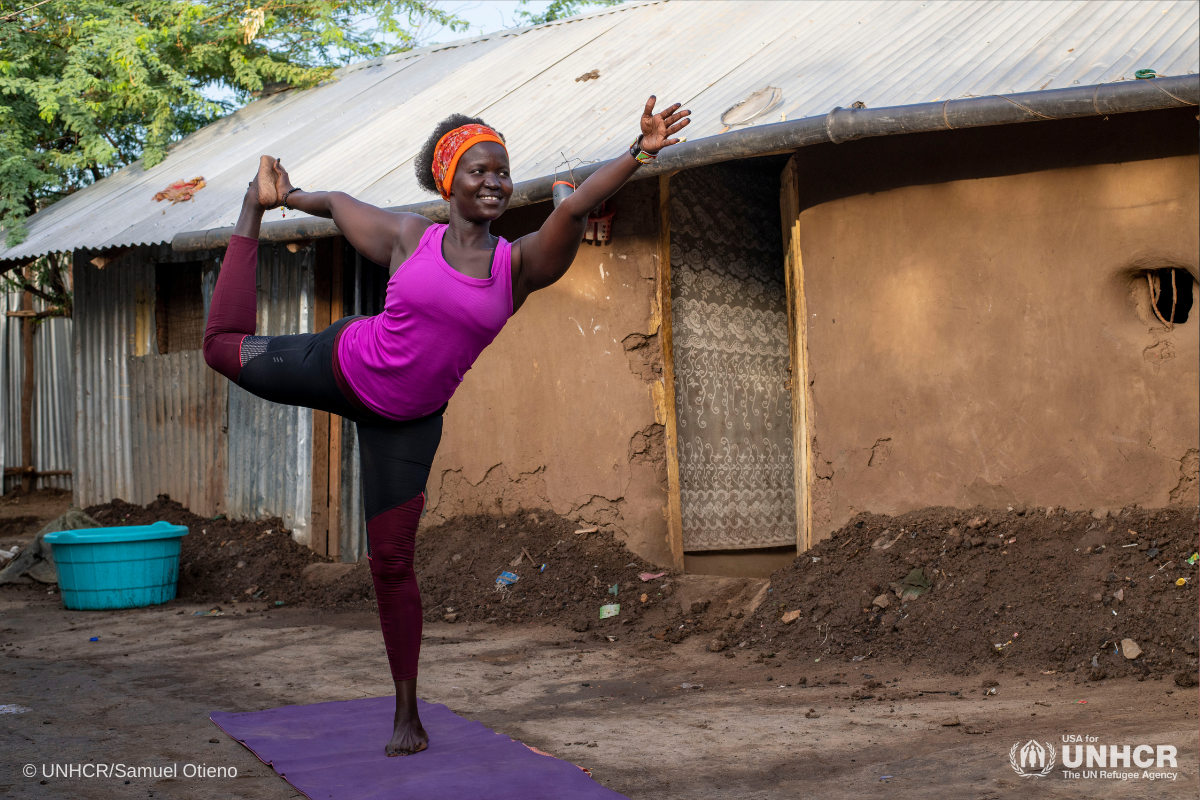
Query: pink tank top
407, 361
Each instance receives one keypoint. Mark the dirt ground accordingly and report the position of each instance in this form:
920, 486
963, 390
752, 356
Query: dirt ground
536, 663
141, 694
22, 515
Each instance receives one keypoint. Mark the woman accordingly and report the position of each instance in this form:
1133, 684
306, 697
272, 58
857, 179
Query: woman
451, 290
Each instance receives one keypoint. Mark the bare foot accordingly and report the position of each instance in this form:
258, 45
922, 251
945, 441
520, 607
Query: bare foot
283, 183
264, 184
408, 738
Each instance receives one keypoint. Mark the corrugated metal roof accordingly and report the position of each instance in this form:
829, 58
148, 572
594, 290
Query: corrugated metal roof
360, 132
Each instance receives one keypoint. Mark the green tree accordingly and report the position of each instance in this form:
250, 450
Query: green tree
559, 9
89, 86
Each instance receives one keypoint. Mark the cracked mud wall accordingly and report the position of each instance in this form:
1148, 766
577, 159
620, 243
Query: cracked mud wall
558, 413
990, 341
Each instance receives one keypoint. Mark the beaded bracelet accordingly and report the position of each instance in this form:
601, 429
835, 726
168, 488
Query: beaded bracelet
287, 195
640, 155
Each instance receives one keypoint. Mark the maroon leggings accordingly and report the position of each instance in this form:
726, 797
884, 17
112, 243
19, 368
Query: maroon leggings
301, 370
391, 545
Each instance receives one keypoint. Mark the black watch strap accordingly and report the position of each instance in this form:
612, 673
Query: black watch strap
640, 155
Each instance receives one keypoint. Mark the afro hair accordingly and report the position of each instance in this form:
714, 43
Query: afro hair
424, 162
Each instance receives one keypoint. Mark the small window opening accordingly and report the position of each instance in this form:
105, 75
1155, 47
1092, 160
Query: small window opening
178, 307
1170, 295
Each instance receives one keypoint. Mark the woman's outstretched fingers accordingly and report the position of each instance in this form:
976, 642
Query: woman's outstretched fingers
678, 126
678, 115
661, 120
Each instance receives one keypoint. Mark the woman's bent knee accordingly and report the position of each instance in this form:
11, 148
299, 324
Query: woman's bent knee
222, 352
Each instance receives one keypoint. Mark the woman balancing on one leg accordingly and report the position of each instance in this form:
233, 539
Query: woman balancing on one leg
452, 288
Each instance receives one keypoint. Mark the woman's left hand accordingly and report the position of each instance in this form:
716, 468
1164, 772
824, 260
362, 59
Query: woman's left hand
657, 128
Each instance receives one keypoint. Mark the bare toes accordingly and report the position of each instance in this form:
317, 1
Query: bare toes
394, 749
265, 183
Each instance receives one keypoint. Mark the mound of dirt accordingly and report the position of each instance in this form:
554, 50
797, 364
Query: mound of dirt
457, 565
1028, 589
952, 589
22, 514
220, 559
19, 527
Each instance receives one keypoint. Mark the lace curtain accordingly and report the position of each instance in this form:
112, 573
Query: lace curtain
729, 318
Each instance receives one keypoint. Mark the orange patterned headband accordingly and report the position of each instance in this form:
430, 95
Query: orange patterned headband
451, 147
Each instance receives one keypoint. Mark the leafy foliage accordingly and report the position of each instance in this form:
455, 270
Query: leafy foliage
560, 9
89, 86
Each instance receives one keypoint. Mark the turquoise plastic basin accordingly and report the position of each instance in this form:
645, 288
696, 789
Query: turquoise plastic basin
123, 567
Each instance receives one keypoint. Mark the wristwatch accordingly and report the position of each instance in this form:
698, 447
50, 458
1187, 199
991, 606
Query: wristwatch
640, 155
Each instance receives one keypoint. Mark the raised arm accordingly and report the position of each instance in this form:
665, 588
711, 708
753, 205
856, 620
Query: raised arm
385, 237
541, 258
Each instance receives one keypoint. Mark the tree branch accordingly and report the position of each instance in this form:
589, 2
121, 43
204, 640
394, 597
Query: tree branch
29, 287
16, 14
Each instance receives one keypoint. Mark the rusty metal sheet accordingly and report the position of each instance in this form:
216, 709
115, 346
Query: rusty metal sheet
270, 445
178, 415
150, 423
53, 396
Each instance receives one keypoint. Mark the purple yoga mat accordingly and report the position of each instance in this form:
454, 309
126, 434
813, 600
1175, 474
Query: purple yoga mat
335, 750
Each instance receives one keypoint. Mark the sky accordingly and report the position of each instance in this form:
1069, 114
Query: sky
483, 16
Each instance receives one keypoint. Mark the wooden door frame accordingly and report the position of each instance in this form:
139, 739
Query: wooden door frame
664, 390
800, 382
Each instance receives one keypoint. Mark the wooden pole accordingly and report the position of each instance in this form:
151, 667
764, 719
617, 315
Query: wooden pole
327, 428
667, 399
27, 324
319, 536
337, 289
789, 209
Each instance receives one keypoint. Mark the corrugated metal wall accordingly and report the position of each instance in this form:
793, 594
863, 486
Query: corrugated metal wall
178, 408
151, 424
270, 445
53, 396
104, 334
352, 526
144, 421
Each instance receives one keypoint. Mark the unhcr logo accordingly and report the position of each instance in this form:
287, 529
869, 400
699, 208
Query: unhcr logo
1083, 758
1036, 760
